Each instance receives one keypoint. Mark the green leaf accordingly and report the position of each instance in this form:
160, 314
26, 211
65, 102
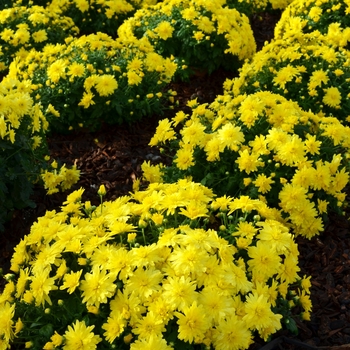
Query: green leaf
291, 325
46, 330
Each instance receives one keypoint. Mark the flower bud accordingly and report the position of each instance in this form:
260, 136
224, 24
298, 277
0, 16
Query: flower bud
102, 191
142, 223
131, 237
128, 338
9, 277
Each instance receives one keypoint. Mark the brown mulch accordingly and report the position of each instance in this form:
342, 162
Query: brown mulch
113, 156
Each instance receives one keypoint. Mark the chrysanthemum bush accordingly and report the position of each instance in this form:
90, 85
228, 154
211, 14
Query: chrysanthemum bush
251, 7
256, 7
22, 148
263, 146
278, 4
11, 3
95, 79
26, 27
92, 16
170, 266
313, 74
201, 35
328, 18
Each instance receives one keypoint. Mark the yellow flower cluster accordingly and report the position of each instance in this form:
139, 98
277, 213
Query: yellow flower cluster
23, 128
23, 28
17, 108
198, 33
264, 146
103, 76
141, 266
280, 4
328, 20
63, 178
93, 16
319, 84
250, 7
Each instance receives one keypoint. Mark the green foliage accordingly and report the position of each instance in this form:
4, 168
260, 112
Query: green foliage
95, 79
98, 16
201, 36
22, 147
23, 28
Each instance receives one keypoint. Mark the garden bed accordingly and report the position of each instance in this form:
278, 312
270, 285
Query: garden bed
113, 157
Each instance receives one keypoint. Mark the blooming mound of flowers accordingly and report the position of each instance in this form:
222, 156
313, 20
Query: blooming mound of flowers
199, 34
264, 146
151, 268
26, 27
92, 16
330, 19
23, 147
313, 74
94, 79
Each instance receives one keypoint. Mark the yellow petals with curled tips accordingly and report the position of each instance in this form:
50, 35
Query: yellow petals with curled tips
164, 30
193, 323
41, 285
153, 341
231, 136
318, 78
232, 330
6, 314
114, 327
71, 281
76, 70
198, 35
195, 210
87, 100
97, 287
106, 84
312, 146
57, 70
248, 162
213, 148
285, 75
263, 263
63, 178
80, 336
332, 97
164, 132
263, 183
40, 36
258, 312
184, 158
152, 173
